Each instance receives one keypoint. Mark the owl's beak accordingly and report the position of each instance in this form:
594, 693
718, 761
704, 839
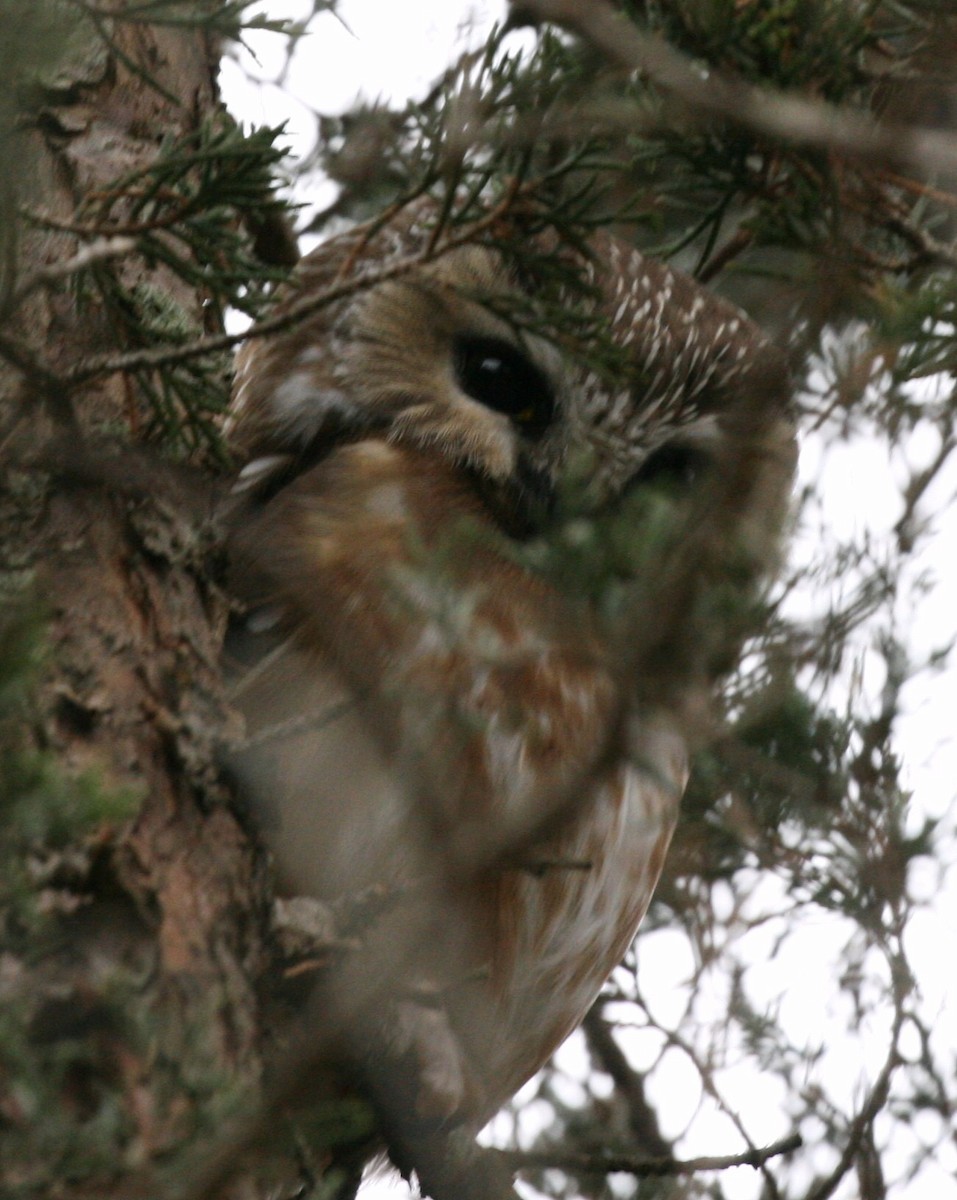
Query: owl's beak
523, 504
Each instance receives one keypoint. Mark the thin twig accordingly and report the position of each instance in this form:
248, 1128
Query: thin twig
706, 1075
101, 250
607, 1164
876, 1100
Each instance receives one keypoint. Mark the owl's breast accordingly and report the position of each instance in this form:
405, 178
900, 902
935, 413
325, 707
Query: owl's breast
565, 927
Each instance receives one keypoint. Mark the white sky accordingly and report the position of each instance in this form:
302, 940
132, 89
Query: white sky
391, 49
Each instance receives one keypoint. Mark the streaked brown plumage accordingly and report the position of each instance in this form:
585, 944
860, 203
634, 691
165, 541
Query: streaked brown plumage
420, 677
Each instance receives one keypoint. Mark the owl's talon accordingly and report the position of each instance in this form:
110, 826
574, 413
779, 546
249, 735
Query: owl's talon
440, 1075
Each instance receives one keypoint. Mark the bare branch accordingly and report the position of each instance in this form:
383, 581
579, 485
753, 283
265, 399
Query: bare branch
629, 1084
607, 1164
862, 1124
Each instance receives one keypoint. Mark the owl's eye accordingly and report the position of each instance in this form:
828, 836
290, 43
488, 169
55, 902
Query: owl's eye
498, 375
673, 465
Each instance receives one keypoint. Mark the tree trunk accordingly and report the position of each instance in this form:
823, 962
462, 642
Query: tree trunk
126, 975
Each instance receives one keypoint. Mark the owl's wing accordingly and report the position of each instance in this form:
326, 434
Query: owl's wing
313, 776
424, 690
420, 672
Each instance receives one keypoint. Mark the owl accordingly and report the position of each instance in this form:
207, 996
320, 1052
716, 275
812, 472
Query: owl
431, 710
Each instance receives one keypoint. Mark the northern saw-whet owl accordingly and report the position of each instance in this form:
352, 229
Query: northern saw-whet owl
421, 682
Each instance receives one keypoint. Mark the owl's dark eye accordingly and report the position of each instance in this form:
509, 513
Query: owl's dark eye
498, 375
673, 465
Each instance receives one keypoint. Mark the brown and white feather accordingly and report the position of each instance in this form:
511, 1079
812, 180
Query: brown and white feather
417, 676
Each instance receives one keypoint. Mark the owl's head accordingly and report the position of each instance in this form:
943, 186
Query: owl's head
441, 347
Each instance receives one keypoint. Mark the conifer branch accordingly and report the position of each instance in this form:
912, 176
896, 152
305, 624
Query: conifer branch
766, 111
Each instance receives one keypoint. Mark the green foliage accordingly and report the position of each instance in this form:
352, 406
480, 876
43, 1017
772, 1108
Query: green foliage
813, 45
712, 186
186, 213
562, 142
52, 1043
43, 1141
918, 327
186, 206
590, 550
43, 810
77, 1052
783, 761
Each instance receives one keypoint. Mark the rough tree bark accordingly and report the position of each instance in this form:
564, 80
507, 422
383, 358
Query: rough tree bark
139, 1017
